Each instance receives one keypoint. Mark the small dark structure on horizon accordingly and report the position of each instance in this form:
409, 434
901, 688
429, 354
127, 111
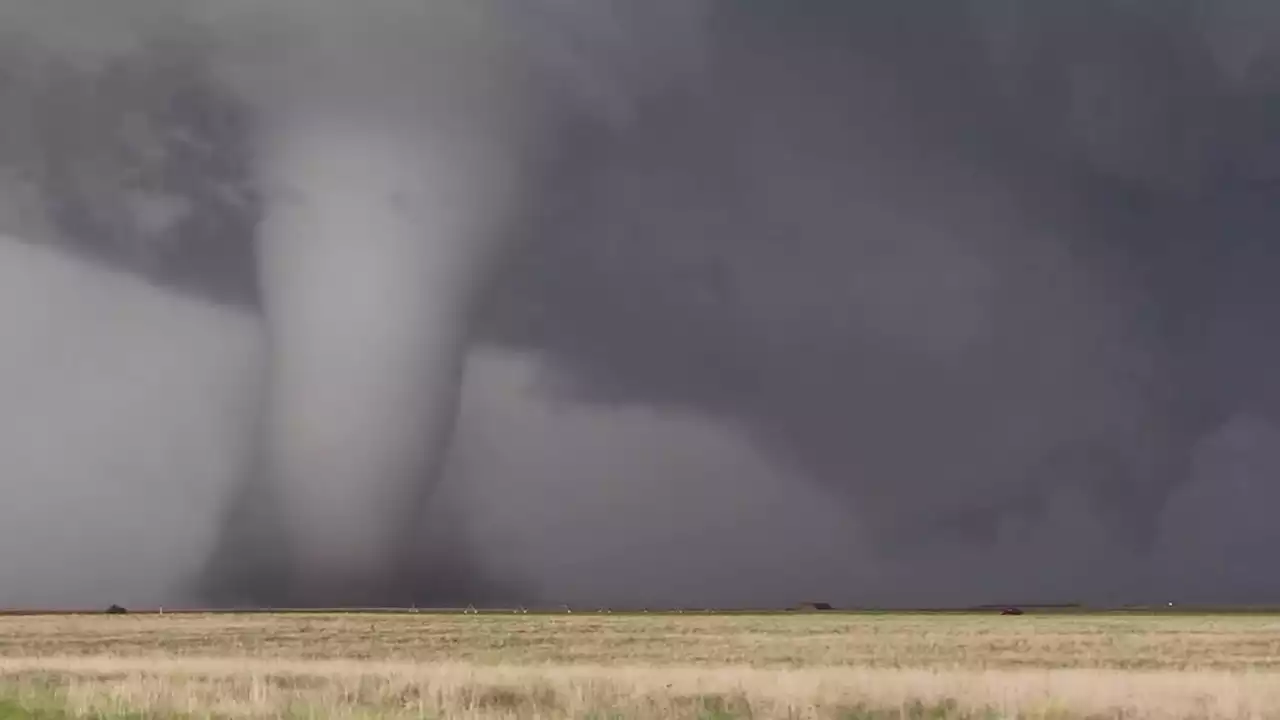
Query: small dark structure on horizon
116, 610
810, 606
1011, 611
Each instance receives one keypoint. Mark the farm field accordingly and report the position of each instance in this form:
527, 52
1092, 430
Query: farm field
587, 665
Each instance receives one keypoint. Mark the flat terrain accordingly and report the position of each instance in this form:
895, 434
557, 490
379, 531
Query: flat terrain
806, 665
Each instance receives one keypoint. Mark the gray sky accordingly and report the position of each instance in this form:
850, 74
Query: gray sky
900, 304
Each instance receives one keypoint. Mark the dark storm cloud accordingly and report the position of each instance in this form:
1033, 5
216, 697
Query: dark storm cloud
995, 275
951, 264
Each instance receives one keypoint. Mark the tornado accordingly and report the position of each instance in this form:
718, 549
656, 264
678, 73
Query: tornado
387, 179
368, 268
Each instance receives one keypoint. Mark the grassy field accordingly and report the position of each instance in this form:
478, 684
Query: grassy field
809, 665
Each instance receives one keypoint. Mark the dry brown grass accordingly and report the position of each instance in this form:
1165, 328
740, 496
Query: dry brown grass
492, 666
